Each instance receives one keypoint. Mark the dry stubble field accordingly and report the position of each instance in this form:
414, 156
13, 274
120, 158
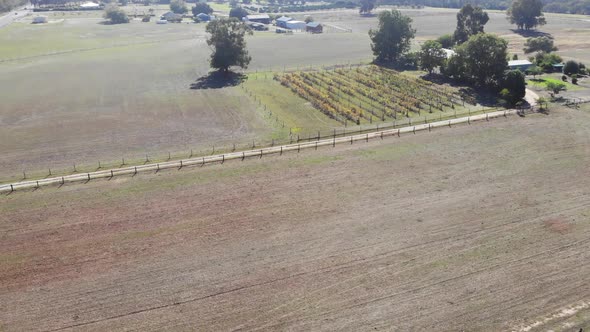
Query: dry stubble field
482, 227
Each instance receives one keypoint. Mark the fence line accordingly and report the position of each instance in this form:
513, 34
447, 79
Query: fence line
242, 155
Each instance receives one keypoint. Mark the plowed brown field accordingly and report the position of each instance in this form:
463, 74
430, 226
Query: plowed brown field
481, 228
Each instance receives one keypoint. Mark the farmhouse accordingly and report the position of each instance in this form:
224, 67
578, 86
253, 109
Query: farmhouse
522, 65
295, 25
261, 18
314, 27
171, 17
40, 19
282, 21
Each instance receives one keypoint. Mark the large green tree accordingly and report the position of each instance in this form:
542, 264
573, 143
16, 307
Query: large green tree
480, 61
178, 7
432, 55
470, 21
238, 12
228, 43
367, 6
513, 83
526, 14
393, 36
115, 15
201, 7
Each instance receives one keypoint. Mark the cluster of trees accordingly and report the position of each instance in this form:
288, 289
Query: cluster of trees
480, 59
551, 6
526, 14
568, 6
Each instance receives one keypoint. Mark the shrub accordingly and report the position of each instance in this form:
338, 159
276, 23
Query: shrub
115, 14
564, 78
446, 41
571, 67
574, 79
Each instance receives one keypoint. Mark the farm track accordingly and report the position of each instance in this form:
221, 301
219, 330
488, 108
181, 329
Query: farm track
221, 158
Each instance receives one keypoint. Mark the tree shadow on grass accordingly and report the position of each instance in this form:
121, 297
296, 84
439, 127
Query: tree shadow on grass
218, 80
471, 95
531, 33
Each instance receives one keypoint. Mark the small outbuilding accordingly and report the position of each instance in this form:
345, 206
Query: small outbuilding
296, 25
261, 18
558, 67
39, 19
314, 27
522, 65
282, 21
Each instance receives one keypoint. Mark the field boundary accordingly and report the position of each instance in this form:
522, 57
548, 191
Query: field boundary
242, 155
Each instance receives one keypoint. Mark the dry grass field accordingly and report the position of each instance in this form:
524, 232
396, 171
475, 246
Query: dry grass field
479, 228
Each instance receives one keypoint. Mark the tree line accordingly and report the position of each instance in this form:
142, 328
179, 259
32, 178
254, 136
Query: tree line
551, 6
7, 5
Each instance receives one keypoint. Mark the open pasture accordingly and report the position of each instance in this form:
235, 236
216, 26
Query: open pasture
479, 228
82, 91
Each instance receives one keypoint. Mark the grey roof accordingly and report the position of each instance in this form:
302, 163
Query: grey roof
519, 63
284, 19
313, 24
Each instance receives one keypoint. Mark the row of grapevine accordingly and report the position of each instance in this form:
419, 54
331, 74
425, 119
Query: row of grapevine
367, 92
